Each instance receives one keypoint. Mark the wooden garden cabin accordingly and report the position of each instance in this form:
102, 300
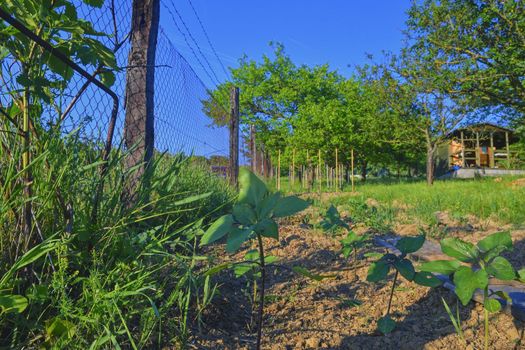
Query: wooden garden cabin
483, 145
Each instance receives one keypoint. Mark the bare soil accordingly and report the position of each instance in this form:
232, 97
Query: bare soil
301, 314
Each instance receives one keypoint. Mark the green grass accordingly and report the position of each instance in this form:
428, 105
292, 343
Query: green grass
131, 278
413, 202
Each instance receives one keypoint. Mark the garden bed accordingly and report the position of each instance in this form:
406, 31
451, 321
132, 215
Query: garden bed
304, 314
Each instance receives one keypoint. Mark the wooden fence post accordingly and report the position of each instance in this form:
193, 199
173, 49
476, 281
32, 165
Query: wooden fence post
293, 166
140, 85
319, 172
253, 152
336, 171
352, 171
234, 136
279, 171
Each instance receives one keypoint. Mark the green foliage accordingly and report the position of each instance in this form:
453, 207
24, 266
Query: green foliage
468, 279
386, 325
378, 271
456, 320
305, 272
113, 282
253, 216
298, 108
352, 242
332, 221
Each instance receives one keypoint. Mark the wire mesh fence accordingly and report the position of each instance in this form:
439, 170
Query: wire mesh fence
180, 123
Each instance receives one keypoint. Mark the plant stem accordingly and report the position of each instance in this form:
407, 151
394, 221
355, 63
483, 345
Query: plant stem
355, 262
486, 315
261, 293
391, 294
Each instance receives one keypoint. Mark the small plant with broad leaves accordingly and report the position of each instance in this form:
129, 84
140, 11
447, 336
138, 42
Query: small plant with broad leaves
352, 242
472, 267
332, 221
379, 270
254, 216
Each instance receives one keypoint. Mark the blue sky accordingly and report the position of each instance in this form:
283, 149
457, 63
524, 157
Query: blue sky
337, 32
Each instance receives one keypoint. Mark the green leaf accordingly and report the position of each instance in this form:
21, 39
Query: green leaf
302, 271
267, 228
107, 78
504, 295
216, 269
192, 199
288, 206
521, 275
409, 245
495, 240
95, 3
241, 269
405, 268
252, 189
351, 303
12, 303
427, 279
244, 214
461, 250
467, 281
37, 293
386, 325
270, 259
29, 257
347, 250
501, 269
57, 328
492, 305
236, 237
372, 255
445, 267
59, 67
218, 229
266, 206
377, 271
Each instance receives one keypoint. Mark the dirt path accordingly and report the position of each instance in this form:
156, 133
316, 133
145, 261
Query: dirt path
301, 314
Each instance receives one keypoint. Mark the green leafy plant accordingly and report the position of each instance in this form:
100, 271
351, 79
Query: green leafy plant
253, 217
332, 221
472, 267
379, 270
352, 242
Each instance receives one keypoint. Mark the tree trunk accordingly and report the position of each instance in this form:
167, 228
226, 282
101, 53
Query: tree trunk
430, 165
364, 164
431, 148
140, 79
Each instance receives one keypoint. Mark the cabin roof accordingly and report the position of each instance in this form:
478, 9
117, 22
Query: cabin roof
484, 127
481, 127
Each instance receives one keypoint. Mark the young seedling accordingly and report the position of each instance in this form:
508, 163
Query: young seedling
253, 217
379, 270
352, 242
332, 221
484, 261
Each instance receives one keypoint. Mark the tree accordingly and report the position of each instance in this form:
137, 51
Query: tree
437, 109
478, 44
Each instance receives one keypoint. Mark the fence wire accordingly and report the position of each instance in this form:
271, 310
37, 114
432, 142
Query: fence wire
180, 123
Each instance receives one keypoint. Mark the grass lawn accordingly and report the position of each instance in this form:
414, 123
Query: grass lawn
501, 200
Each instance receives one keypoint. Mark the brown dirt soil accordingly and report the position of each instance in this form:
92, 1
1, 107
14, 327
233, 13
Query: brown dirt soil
518, 182
301, 314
